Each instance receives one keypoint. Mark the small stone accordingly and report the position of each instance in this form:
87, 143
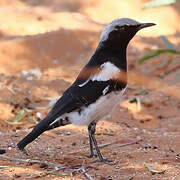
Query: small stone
171, 150
160, 117
68, 134
29, 91
155, 147
29, 78
121, 110
107, 117
73, 144
23, 73
147, 146
17, 176
39, 18
31, 74
38, 114
43, 165
57, 168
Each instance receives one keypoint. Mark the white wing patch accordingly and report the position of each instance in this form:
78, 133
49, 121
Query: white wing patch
106, 90
81, 85
108, 71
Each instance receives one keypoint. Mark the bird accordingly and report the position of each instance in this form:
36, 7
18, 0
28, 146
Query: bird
98, 88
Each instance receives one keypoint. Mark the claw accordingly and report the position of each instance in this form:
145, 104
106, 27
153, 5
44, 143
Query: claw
92, 155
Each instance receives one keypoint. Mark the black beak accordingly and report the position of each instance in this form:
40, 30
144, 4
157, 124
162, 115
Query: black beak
144, 25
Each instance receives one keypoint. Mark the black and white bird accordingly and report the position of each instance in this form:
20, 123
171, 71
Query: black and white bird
97, 89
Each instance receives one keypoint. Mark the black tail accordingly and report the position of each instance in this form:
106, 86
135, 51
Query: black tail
61, 106
42, 126
38, 130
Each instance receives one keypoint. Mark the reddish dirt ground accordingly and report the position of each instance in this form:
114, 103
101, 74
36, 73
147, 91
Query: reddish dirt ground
55, 39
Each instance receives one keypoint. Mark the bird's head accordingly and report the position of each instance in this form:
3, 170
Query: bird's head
122, 30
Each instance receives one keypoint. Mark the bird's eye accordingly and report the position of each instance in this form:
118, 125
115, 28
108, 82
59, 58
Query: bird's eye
117, 27
125, 27
122, 28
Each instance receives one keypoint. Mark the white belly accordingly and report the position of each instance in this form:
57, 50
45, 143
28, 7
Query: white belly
102, 107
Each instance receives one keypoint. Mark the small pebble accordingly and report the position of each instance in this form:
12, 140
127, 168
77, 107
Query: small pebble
171, 150
38, 114
73, 144
121, 110
155, 147
17, 176
29, 78
107, 117
57, 168
68, 134
147, 146
43, 165
160, 117
39, 18
114, 153
29, 91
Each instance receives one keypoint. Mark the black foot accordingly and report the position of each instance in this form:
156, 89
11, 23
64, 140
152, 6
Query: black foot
92, 155
106, 161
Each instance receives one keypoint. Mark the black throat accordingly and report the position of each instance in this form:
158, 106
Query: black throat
112, 52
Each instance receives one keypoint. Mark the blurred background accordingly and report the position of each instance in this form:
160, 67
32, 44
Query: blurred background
45, 43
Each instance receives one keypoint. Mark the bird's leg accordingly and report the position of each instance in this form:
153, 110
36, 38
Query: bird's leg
91, 130
92, 154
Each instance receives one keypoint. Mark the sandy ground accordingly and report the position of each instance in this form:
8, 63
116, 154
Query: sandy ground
43, 45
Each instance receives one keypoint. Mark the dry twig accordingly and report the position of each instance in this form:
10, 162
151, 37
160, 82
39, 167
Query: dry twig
32, 161
88, 176
75, 168
118, 143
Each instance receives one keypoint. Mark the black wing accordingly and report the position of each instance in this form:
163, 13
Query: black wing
76, 97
